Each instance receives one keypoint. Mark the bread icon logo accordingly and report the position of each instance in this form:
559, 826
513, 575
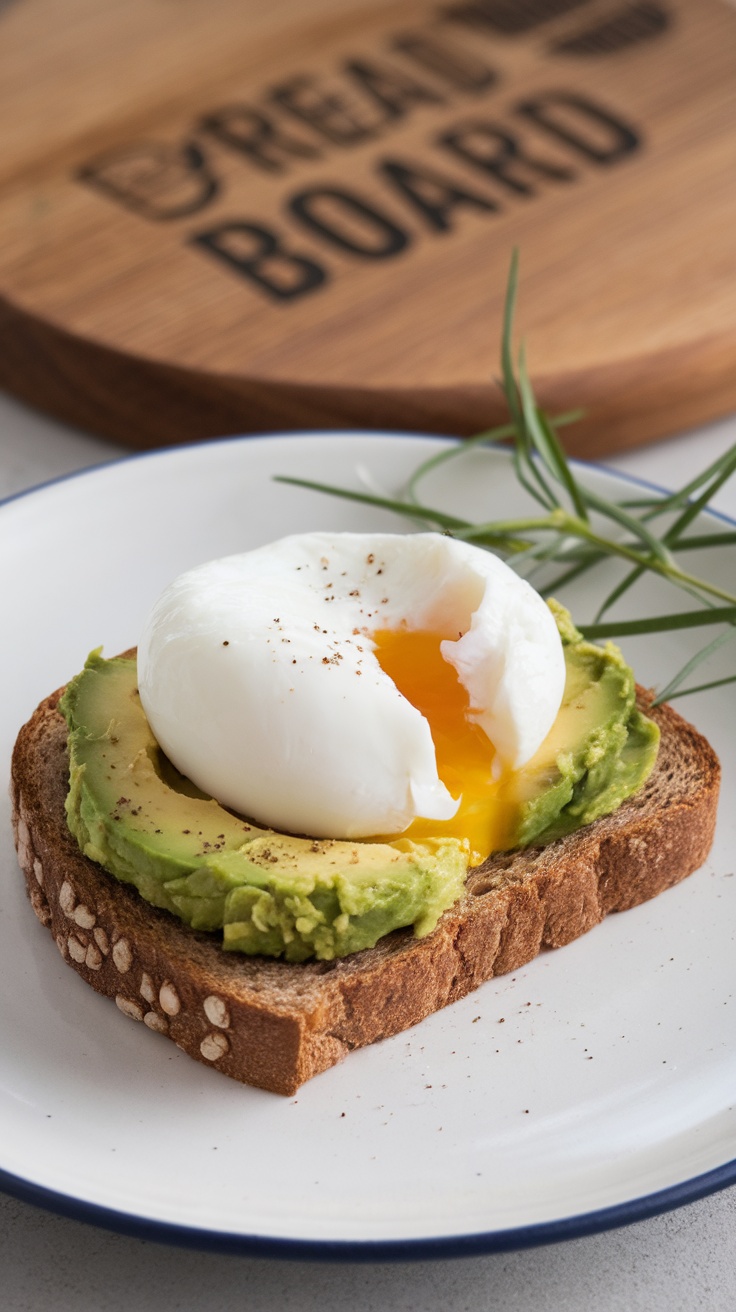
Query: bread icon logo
155, 180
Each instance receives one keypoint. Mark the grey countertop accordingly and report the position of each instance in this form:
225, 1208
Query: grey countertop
679, 1261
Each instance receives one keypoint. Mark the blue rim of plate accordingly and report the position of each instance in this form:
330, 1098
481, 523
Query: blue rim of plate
382, 1250
373, 1250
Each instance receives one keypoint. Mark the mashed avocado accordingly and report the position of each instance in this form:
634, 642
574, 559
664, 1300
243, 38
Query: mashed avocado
280, 895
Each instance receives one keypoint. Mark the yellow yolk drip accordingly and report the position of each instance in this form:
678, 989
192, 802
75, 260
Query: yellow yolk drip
486, 814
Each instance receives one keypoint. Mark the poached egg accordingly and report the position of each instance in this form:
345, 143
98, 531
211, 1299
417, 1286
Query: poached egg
351, 686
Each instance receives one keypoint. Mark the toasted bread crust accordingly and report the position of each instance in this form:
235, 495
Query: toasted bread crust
275, 1024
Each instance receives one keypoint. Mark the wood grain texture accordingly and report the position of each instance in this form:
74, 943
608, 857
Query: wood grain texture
260, 218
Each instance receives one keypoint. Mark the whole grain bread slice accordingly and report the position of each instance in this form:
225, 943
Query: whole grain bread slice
275, 1024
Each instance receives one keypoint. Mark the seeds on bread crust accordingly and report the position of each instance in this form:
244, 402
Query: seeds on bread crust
275, 1024
156, 1022
215, 1009
122, 955
214, 1046
169, 999
100, 937
77, 950
129, 1007
67, 898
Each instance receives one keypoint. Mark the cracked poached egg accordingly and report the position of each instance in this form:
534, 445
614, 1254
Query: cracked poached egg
351, 686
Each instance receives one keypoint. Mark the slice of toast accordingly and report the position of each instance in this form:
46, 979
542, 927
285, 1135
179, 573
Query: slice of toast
275, 1024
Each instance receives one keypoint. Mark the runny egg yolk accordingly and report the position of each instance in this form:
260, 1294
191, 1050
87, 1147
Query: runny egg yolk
486, 813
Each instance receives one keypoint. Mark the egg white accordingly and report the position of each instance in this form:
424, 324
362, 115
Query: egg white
258, 676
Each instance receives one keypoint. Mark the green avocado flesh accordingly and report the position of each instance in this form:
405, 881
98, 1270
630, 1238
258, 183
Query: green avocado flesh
599, 751
274, 894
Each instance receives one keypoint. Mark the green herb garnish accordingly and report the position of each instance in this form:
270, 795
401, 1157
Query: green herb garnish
578, 529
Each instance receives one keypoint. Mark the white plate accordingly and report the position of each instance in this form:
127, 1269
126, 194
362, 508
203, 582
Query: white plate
593, 1087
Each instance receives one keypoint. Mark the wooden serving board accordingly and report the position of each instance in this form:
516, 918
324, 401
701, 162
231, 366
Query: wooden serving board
223, 216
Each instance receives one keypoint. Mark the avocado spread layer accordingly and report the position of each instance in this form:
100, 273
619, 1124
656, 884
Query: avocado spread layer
280, 895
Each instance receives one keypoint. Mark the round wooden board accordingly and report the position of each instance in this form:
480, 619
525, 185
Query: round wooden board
221, 216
